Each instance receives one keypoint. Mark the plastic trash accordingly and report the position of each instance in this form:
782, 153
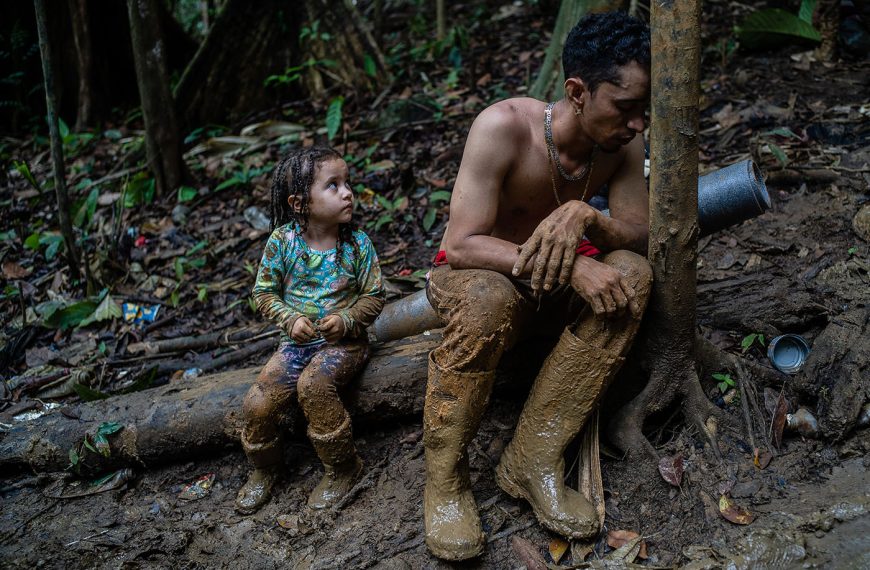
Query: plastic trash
198, 489
257, 219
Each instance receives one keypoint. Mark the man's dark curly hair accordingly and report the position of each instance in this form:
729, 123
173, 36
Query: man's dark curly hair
602, 43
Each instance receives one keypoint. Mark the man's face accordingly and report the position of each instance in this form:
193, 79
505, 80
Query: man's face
615, 112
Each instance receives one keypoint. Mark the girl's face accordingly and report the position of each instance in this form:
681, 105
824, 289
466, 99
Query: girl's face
330, 198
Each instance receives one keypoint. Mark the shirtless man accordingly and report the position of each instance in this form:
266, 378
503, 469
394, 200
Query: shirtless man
514, 260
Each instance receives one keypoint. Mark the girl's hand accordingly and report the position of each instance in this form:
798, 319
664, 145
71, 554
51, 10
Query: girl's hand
303, 330
332, 328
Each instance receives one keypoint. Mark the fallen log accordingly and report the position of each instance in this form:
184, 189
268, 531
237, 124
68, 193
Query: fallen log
184, 419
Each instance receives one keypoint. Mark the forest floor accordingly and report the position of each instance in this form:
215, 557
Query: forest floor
794, 269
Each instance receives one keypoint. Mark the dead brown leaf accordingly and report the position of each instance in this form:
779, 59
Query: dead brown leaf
619, 538
527, 553
671, 469
777, 424
12, 270
733, 512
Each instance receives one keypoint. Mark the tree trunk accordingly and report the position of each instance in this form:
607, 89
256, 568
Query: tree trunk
84, 62
673, 230
249, 42
162, 137
551, 77
179, 420
63, 203
350, 51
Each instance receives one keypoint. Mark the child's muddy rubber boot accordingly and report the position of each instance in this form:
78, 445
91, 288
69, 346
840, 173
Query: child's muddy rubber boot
455, 403
342, 465
563, 397
266, 459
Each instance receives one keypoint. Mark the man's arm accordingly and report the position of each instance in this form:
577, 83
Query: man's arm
628, 200
489, 151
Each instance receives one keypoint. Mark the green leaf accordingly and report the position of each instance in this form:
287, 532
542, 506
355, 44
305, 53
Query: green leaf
63, 129
178, 264
369, 66
24, 170
197, 247
384, 219
87, 443
333, 117
783, 132
439, 196
227, 183
772, 26
107, 309
32, 241
71, 315
201, 294
9, 235
54, 242
778, 153
74, 457
89, 395
86, 209
747, 341
186, 193
805, 13
429, 219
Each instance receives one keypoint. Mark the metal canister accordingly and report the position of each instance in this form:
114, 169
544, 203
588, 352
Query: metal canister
788, 352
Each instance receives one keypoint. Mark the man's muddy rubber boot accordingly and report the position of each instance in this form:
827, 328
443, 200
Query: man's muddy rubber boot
342, 465
563, 397
266, 459
455, 403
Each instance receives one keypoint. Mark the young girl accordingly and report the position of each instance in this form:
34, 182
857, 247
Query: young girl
320, 282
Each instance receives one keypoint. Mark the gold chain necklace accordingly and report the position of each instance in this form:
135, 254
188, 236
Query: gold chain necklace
550, 159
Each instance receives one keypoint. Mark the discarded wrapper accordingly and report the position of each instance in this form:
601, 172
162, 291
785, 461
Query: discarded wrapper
139, 314
198, 489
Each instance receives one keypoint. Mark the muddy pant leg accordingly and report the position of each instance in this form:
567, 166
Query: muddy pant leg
331, 368
265, 405
565, 394
616, 335
328, 421
481, 310
272, 394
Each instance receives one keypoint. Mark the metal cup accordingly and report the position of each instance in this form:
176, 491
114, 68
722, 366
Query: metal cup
788, 352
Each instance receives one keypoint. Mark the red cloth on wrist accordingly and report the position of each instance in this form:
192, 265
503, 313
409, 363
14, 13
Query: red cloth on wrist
585, 249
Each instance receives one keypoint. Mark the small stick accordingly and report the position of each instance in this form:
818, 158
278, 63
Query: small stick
744, 403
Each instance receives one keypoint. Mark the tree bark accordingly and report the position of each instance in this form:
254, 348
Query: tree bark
63, 202
84, 62
180, 420
348, 50
551, 76
674, 230
162, 137
248, 42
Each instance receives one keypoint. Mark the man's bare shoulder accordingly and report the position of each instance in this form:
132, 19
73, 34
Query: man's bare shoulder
509, 119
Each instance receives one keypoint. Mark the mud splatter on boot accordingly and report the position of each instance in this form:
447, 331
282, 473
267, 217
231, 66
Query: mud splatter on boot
563, 397
455, 403
266, 459
341, 464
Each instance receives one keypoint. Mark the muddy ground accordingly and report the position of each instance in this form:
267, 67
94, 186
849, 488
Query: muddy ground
810, 504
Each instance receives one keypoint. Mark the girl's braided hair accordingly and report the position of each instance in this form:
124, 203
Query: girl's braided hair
293, 177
